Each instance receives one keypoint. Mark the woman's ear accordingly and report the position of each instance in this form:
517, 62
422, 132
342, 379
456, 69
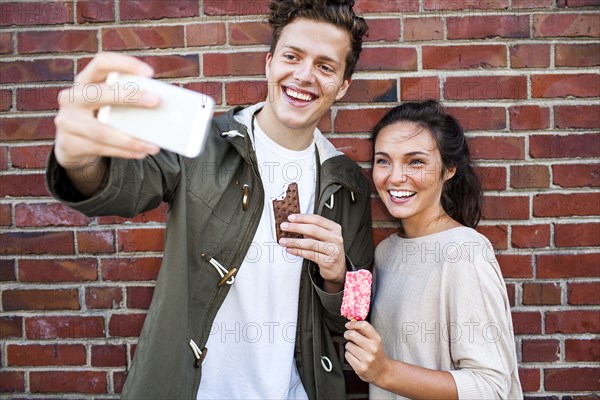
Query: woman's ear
449, 174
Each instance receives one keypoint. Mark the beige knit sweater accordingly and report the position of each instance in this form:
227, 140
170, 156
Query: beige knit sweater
440, 302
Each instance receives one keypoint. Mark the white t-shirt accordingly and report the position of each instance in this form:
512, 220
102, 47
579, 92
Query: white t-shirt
251, 344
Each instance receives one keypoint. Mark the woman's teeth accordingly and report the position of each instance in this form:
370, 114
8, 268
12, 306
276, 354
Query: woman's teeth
401, 194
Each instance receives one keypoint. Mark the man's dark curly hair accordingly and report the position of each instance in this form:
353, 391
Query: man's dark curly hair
336, 12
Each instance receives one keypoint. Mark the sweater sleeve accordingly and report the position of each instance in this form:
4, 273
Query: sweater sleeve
481, 338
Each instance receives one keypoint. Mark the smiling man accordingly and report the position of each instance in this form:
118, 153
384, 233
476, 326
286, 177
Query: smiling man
238, 312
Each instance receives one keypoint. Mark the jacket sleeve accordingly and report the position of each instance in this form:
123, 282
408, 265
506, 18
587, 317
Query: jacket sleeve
482, 348
130, 187
359, 255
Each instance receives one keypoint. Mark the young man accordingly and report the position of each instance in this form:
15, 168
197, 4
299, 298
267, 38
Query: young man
236, 313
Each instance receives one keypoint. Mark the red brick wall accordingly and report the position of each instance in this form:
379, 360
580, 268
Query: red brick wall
522, 76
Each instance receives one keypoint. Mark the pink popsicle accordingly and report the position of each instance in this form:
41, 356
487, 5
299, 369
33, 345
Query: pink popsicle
357, 295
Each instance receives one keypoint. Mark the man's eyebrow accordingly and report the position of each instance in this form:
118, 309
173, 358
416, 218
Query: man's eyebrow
321, 57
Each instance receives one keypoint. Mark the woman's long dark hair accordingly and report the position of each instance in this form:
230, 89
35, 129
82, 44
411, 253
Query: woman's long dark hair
462, 196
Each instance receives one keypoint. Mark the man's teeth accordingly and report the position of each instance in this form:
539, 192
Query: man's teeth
401, 193
299, 96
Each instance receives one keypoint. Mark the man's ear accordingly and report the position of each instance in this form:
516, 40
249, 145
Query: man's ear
268, 63
343, 89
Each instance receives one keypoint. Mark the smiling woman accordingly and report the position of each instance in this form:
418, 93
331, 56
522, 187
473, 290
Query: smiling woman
438, 277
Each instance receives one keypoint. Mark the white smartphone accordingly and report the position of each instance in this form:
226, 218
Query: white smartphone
179, 123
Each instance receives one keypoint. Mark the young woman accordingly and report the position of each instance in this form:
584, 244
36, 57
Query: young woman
441, 324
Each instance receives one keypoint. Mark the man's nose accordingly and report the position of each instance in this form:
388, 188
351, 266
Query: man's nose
304, 72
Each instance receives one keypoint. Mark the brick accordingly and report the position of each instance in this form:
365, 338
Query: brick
79, 270
11, 327
541, 294
577, 117
464, 57
5, 215
376, 90
6, 43
4, 162
36, 13
40, 355
246, 92
134, 38
530, 236
12, 381
28, 128
496, 234
65, 299
63, 41
55, 69
68, 381
103, 297
529, 55
167, 66
139, 297
22, 185
556, 85
379, 211
505, 207
357, 149
38, 328
36, 243
30, 157
500, 148
360, 120
566, 25
90, 11
249, 33
488, 26
560, 205
510, 293
485, 87
109, 355
587, 321
119, 378
529, 176
399, 6
584, 293
157, 9
414, 89
568, 265
529, 118
466, 5
515, 265
235, 7
577, 55
540, 350
576, 3
531, 4
141, 239
480, 118
53, 214
210, 34
577, 235
424, 28
582, 350
576, 175
530, 379
387, 59
491, 178
383, 30
240, 63
130, 269
7, 271
569, 379
96, 242
567, 146
527, 323
5, 100
158, 214
126, 325
212, 89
